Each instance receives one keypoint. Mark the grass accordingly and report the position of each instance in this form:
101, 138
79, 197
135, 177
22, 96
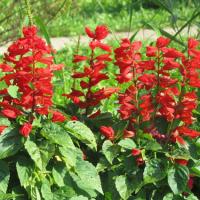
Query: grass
68, 18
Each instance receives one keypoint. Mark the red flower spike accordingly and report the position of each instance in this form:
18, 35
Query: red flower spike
108, 132
32, 72
91, 95
25, 129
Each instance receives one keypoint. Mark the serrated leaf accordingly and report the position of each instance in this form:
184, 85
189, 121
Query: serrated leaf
61, 175
46, 191
87, 178
57, 135
154, 171
153, 146
34, 153
82, 133
127, 143
10, 143
25, 169
64, 193
47, 150
70, 156
4, 176
110, 150
102, 165
125, 187
177, 178
12, 91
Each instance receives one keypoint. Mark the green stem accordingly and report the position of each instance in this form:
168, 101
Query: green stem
29, 12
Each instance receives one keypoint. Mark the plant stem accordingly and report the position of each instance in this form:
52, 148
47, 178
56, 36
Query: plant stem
29, 12
89, 83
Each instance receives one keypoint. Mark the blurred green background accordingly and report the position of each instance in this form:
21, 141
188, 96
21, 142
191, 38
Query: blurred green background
69, 17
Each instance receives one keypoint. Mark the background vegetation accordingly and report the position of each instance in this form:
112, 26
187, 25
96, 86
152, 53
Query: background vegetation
69, 17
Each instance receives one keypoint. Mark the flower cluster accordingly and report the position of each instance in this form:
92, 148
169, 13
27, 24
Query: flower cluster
29, 67
90, 96
159, 88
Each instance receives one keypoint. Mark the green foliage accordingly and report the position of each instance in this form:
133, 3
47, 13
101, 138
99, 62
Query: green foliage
10, 143
177, 178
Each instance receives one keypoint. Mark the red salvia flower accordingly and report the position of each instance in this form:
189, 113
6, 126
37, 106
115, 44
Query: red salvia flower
25, 129
108, 132
181, 162
136, 152
29, 66
58, 117
90, 95
153, 92
2, 128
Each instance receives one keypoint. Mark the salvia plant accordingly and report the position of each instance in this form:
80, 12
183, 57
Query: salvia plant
150, 150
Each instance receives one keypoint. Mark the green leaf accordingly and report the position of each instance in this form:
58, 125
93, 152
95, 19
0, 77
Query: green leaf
119, 127
155, 170
4, 176
87, 178
35, 193
46, 191
44, 31
19, 192
57, 135
196, 168
10, 143
127, 143
104, 119
34, 153
70, 155
8, 196
79, 198
153, 146
12, 91
102, 164
3, 85
171, 196
180, 153
4, 121
64, 193
25, 169
47, 150
192, 197
110, 150
61, 175
81, 132
125, 186
177, 178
